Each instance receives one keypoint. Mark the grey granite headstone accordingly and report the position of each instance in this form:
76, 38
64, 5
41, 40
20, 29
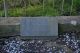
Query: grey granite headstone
39, 26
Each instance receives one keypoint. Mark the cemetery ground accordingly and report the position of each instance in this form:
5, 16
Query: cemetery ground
68, 41
49, 45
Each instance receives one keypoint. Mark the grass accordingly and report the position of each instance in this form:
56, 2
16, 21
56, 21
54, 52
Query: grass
1, 13
31, 11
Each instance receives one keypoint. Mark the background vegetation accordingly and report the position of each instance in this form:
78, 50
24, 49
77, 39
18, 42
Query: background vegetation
40, 8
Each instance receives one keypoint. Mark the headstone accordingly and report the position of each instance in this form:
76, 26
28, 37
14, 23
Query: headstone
39, 26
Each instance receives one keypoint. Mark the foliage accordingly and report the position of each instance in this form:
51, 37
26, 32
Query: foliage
35, 8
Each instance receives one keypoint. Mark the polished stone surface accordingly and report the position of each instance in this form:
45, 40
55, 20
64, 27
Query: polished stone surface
39, 26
